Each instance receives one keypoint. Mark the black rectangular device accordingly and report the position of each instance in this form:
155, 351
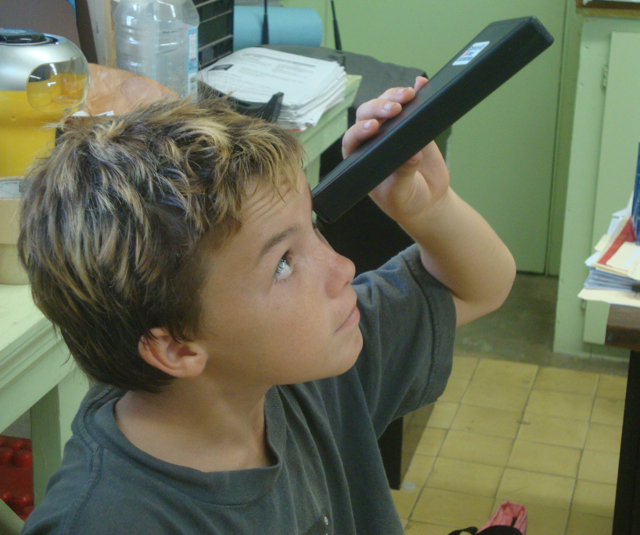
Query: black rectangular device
488, 61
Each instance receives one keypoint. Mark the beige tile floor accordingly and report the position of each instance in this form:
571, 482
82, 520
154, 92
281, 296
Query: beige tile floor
543, 436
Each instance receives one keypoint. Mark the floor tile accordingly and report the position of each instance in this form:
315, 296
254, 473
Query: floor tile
443, 414
612, 387
476, 448
464, 367
561, 380
560, 405
582, 523
448, 508
418, 470
608, 411
505, 372
599, 466
431, 441
532, 488
545, 458
541, 466
594, 498
486, 421
422, 528
405, 500
544, 520
482, 394
604, 438
465, 477
455, 390
556, 431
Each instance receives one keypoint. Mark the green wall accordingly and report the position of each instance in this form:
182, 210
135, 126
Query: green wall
508, 157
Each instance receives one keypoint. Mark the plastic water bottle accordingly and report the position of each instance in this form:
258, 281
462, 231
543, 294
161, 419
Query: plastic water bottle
159, 39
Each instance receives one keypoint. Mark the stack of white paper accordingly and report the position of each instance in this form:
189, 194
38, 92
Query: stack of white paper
310, 86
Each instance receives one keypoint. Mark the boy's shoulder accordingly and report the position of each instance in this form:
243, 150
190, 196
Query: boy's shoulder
402, 293
105, 485
88, 477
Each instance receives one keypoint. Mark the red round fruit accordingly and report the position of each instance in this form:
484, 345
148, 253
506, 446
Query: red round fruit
15, 443
20, 500
27, 510
27, 445
2, 440
23, 459
5, 495
6, 454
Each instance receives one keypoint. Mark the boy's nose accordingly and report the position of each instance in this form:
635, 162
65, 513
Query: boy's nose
341, 273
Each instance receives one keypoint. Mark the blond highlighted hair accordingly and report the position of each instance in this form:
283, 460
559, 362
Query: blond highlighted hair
118, 220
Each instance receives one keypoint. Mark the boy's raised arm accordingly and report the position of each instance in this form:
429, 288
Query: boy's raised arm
457, 245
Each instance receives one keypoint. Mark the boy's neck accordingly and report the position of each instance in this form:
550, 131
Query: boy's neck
192, 424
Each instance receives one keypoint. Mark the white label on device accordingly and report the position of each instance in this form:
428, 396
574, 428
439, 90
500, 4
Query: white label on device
471, 53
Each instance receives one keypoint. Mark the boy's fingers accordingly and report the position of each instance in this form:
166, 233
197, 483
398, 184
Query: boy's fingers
373, 113
409, 167
378, 108
398, 94
420, 83
358, 133
385, 106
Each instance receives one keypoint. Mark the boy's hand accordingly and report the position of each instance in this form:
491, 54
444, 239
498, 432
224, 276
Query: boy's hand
457, 246
415, 189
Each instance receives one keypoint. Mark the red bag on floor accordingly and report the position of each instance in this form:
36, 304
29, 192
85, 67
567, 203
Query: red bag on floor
509, 519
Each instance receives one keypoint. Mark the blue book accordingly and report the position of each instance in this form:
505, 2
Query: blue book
635, 203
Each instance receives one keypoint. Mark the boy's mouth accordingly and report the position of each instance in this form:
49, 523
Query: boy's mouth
352, 319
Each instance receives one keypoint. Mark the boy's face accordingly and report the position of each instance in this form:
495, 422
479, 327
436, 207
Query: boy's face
278, 304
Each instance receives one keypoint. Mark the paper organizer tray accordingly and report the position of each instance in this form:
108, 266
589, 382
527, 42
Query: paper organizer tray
11, 272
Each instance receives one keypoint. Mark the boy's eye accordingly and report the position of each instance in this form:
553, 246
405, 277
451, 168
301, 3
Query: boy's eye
284, 268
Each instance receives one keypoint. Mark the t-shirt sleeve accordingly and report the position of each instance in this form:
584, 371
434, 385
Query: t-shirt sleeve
408, 324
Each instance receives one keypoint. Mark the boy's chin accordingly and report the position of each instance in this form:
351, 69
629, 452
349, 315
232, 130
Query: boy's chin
351, 355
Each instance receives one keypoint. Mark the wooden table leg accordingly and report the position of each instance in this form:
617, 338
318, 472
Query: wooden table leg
51, 419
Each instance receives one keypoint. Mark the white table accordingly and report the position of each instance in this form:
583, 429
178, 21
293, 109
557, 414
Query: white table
36, 375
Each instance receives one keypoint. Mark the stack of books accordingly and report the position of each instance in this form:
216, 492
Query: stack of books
614, 268
310, 86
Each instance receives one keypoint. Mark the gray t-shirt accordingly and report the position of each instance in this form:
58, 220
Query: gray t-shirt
328, 478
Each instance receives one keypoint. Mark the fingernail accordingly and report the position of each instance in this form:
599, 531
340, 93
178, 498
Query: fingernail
367, 125
387, 106
400, 91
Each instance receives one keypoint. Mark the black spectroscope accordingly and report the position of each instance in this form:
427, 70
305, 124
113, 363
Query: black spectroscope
488, 61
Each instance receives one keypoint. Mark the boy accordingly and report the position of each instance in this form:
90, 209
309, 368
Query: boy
240, 390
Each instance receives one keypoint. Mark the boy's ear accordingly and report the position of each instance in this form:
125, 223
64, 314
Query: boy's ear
178, 359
